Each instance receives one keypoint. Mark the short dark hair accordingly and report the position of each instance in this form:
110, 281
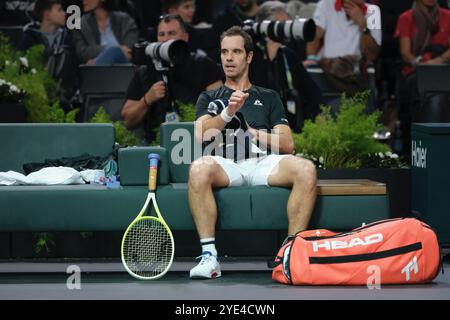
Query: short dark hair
167, 4
170, 17
238, 31
42, 5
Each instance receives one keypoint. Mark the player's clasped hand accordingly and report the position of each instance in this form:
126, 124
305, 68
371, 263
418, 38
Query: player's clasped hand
156, 92
236, 101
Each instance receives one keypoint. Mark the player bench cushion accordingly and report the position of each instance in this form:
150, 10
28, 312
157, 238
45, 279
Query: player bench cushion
86, 207
95, 208
133, 166
68, 208
35, 142
338, 212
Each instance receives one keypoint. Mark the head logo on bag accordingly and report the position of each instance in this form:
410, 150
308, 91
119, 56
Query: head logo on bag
336, 244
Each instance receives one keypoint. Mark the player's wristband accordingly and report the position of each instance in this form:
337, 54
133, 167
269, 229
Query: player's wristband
224, 115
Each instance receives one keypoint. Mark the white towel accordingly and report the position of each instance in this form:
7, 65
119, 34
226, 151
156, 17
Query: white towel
45, 176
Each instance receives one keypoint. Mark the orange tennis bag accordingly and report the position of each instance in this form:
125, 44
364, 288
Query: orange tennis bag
398, 251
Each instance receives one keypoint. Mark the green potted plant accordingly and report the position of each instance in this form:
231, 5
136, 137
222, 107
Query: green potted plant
343, 147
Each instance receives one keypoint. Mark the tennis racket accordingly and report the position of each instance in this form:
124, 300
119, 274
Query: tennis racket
147, 245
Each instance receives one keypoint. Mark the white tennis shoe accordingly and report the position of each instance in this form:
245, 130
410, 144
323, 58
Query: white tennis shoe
208, 268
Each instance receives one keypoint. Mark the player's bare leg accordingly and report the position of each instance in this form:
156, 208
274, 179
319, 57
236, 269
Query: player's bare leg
300, 174
204, 174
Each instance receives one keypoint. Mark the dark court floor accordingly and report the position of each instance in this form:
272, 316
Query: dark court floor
241, 280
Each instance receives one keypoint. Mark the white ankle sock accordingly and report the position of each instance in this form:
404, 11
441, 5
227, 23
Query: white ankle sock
209, 244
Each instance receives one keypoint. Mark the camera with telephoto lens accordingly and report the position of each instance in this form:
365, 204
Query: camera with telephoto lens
163, 54
279, 31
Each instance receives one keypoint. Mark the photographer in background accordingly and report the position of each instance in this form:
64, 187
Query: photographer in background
278, 67
145, 108
106, 36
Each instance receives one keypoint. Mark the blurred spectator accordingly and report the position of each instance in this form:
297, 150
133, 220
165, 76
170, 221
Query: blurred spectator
342, 26
390, 12
106, 36
300, 9
424, 33
278, 67
235, 15
16, 12
147, 104
49, 29
184, 8
202, 39
59, 52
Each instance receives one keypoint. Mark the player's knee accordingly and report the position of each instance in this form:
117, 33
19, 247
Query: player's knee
200, 173
306, 173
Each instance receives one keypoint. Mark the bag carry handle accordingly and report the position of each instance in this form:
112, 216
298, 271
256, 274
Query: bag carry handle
273, 264
278, 260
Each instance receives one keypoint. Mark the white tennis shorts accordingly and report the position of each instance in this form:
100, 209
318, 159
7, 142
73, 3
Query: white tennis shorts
250, 172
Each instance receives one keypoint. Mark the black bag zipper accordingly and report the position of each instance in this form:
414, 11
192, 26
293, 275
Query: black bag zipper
367, 256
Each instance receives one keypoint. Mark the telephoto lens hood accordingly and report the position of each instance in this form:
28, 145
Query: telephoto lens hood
297, 29
172, 51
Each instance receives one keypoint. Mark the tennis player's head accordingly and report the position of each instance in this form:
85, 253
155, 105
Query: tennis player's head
236, 53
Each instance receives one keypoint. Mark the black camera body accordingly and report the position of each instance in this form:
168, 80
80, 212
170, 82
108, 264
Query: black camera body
282, 31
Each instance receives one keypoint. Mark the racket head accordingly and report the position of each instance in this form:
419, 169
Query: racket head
148, 248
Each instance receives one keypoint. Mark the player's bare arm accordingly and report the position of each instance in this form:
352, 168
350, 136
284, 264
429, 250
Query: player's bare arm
279, 139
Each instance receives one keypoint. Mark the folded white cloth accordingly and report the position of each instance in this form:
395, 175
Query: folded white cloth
93, 176
45, 176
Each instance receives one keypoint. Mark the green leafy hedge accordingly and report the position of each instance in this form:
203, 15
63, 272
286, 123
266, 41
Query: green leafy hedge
126, 137
123, 135
28, 72
345, 141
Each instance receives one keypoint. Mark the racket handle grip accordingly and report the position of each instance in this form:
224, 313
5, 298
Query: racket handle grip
153, 172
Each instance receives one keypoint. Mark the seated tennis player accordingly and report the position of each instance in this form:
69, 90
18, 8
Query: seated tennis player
247, 141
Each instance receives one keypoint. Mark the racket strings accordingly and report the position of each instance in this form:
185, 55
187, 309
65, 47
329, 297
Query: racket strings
148, 248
